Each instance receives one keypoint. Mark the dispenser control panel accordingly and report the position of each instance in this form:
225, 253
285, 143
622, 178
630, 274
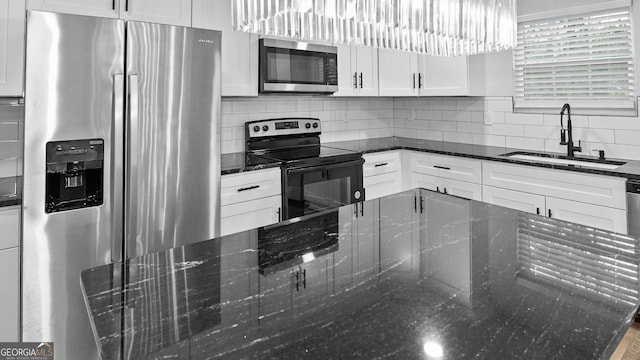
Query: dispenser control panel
75, 174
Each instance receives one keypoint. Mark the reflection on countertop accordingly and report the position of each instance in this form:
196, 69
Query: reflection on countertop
402, 276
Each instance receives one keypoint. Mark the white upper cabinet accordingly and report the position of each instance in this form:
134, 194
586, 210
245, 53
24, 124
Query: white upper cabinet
399, 73
357, 71
410, 74
172, 12
102, 8
443, 76
11, 47
239, 49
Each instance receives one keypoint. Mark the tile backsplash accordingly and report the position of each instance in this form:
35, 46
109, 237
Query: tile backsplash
491, 121
11, 134
342, 118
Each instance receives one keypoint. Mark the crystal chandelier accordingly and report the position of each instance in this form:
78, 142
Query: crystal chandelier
435, 27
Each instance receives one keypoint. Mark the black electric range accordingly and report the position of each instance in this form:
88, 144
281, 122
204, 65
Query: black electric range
314, 177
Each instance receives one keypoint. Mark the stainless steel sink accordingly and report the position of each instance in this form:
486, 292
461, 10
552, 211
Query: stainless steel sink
564, 160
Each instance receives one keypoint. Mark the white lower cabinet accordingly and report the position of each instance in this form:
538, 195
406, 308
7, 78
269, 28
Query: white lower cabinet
587, 214
568, 210
250, 214
382, 174
250, 200
10, 285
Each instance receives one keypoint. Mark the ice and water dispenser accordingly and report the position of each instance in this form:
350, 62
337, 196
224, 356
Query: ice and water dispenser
75, 175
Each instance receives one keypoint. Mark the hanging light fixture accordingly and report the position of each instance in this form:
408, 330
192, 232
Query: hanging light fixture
435, 27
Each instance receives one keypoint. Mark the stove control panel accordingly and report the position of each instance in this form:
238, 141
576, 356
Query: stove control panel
284, 126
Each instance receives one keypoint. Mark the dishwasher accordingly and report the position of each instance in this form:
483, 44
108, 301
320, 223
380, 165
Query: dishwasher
633, 207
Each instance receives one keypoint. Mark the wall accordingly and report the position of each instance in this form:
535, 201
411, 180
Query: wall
342, 118
464, 120
11, 130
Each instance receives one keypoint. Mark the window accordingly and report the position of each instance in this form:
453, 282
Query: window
585, 59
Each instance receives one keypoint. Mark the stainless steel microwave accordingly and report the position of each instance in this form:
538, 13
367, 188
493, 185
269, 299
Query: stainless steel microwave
287, 66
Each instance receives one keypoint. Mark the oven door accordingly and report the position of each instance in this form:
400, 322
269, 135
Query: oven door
311, 189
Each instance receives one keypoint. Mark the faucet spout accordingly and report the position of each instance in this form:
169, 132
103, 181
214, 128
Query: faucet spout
569, 132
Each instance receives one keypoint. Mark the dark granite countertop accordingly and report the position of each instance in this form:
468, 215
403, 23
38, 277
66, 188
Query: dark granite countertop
10, 200
410, 276
235, 162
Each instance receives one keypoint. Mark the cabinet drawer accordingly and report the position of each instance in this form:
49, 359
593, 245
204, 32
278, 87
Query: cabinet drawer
517, 200
251, 185
382, 185
450, 167
9, 225
381, 163
588, 214
249, 215
595, 189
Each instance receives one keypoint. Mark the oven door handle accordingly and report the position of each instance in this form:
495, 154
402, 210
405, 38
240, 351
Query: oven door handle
298, 170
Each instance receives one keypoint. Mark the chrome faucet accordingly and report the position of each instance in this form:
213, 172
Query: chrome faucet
563, 132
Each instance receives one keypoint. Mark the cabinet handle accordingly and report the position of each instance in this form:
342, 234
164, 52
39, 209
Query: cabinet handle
297, 280
355, 80
279, 214
537, 211
248, 188
304, 278
441, 167
362, 209
419, 80
549, 212
414, 80
360, 80
113, 4
445, 190
415, 204
126, 6
379, 165
421, 204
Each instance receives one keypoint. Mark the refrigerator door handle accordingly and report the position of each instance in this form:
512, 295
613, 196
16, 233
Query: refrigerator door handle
117, 157
131, 210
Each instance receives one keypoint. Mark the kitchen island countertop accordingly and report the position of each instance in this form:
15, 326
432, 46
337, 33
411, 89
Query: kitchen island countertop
416, 275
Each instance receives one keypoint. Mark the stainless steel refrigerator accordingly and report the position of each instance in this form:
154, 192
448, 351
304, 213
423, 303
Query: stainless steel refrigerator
121, 157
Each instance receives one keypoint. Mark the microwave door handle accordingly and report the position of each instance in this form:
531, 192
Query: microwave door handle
131, 209
117, 156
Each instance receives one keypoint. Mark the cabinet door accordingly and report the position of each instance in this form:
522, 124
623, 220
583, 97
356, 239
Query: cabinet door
101, 8
517, 200
9, 283
347, 72
367, 69
398, 73
11, 47
444, 76
9, 227
462, 189
382, 185
367, 241
399, 243
249, 214
447, 248
172, 12
343, 268
314, 280
239, 49
587, 214
274, 301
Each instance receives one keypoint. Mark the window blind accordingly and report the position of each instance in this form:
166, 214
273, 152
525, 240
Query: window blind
585, 60
555, 252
